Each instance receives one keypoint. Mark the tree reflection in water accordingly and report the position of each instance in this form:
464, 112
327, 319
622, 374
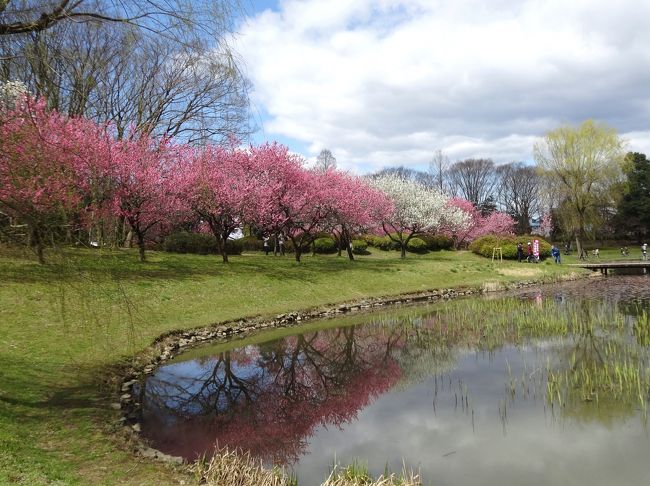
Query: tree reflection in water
587, 360
268, 399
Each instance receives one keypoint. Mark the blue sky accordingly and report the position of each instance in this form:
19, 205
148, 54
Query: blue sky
388, 82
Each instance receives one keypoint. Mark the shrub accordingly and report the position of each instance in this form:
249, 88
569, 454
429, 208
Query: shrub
508, 244
253, 243
373, 240
234, 247
325, 245
417, 245
360, 247
198, 243
382, 242
388, 244
437, 242
184, 242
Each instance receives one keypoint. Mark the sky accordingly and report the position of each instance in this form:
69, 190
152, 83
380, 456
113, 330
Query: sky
389, 82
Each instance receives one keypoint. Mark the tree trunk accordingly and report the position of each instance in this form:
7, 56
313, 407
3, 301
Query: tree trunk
579, 246
221, 246
338, 240
297, 249
39, 253
345, 236
224, 250
37, 241
405, 244
140, 237
350, 254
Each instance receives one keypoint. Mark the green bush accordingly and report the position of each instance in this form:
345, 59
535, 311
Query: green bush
508, 244
234, 247
325, 245
184, 242
198, 243
373, 240
253, 243
360, 247
388, 244
437, 242
417, 245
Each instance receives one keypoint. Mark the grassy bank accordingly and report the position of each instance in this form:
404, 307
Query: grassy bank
65, 322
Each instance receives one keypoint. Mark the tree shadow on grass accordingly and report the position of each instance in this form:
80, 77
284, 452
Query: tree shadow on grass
123, 265
29, 395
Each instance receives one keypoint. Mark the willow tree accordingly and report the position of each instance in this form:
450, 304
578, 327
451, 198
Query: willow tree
583, 166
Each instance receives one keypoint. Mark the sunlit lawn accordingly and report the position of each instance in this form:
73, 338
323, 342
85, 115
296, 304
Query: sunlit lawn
65, 322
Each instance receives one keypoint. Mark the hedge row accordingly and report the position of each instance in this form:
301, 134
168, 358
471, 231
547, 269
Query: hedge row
422, 243
198, 243
205, 244
508, 244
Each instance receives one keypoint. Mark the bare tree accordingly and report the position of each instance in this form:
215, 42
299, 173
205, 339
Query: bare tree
438, 168
325, 161
167, 18
519, 193
474, 180
121, 74
424, 178
194, 96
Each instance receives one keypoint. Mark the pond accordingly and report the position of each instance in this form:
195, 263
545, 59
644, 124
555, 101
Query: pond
548, 386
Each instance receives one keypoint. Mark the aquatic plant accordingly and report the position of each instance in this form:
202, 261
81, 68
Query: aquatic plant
357, 474
231, 468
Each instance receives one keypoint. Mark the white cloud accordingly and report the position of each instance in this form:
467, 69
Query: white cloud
387, 82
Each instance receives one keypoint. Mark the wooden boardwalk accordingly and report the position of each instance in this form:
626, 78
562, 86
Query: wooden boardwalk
605, 266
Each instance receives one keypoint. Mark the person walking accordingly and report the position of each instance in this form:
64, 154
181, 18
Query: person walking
266, 245
281, 243
530, 253
555, 252
644, 251
520, 252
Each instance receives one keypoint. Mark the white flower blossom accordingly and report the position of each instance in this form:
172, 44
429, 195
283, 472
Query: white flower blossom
10, 92
418, 208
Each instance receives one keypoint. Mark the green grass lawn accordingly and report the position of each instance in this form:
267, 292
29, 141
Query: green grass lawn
64, 323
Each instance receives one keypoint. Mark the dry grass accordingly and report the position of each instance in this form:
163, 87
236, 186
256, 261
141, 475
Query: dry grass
355, 476
521, 272
230, 468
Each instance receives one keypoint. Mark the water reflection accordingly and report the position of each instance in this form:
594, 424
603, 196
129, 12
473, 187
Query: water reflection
549, 386
269, 398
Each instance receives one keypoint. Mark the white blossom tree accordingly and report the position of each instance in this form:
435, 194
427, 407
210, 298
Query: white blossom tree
417, 209
10, 92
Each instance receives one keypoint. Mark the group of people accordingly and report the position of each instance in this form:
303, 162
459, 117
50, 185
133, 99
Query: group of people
266, 244
644, 251
530, 256
555, 252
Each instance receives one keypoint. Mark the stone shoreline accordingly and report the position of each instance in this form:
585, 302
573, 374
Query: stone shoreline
172, 343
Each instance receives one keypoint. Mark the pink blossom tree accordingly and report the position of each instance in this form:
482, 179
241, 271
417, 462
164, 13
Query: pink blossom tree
477, 225
307, 210
44, 162
355, 206
143, 184
546, 226
287, 198
216, 185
